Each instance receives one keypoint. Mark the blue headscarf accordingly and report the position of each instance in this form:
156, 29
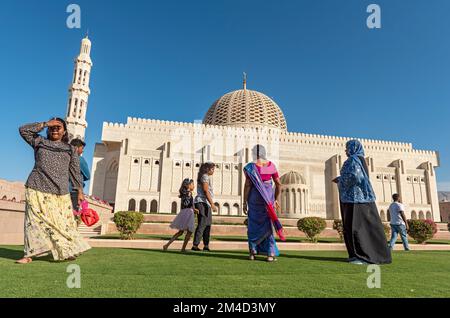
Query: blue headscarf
354, 183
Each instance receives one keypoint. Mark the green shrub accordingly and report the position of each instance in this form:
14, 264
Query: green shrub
128, 223
312, 226
339, 227
421, 230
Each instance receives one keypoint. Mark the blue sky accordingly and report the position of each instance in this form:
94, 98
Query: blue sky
171, 59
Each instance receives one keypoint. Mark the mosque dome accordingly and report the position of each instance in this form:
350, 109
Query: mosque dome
292, 177
245, 108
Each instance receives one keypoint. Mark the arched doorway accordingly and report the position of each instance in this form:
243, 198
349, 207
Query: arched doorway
429, 216
421, 215
132, 205
413, 215
226, 209
218, 208
174, 207
235, 209
154, 206
143, 206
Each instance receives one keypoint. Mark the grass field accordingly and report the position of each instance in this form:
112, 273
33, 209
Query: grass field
245, 239
149, 273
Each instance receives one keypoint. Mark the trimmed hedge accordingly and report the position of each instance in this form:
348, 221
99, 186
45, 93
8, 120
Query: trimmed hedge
339, 227
422, 230
312, 226
128, 223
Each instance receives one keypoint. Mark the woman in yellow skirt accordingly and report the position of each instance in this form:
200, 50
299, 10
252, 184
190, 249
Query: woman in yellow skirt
49, 223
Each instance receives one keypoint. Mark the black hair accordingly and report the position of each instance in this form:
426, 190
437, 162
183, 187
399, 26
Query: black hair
259, 152
204, 168
184, 187
395, 197
65, 137
78, 143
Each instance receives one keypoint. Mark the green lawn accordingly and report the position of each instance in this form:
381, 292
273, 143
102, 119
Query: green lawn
289, 239
148, 273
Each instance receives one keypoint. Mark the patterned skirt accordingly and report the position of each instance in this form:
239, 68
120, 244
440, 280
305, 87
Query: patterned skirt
51, 227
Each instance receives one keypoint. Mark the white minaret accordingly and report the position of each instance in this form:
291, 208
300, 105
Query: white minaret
79, 92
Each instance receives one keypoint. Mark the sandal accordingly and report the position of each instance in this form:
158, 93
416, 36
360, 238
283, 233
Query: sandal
271, 259
24, 260
251, 257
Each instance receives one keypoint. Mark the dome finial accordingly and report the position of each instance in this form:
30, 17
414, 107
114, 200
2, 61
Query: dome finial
245, 81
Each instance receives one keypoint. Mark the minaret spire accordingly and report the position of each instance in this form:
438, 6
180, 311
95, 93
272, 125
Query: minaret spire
244, 84
79, 92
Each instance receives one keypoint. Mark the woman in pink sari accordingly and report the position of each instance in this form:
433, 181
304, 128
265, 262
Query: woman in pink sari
260, 202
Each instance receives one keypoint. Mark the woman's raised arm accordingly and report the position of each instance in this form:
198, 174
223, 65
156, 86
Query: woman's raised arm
30, 132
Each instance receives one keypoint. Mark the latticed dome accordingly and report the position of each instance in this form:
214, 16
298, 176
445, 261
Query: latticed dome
245, 108
292, 177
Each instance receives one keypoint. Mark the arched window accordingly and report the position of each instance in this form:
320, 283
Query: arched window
132, 205
75, 109
295, 203
154, 206
421, 215
288, 202
174, 207
413, 215
143, 206
80, 113
4, 198
13, 199
429, 216
70, 106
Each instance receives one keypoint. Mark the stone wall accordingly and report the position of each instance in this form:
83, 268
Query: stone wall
12, 220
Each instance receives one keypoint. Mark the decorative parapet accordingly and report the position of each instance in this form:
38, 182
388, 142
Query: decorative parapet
165, 126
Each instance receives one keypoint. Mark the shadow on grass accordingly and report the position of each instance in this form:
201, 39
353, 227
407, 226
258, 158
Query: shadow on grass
317, 258
243, 255
15, 255
12, 254
238, 255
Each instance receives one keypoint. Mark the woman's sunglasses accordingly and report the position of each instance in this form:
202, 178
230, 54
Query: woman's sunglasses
55, 128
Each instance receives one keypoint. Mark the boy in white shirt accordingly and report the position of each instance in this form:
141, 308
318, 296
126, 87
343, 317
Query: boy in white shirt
399, 225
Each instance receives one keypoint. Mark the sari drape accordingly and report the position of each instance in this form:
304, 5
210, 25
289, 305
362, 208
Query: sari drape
265, 190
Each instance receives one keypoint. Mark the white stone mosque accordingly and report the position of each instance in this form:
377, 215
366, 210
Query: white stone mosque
139, 165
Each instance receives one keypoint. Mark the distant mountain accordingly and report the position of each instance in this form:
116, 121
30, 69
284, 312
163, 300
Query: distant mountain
444, 196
